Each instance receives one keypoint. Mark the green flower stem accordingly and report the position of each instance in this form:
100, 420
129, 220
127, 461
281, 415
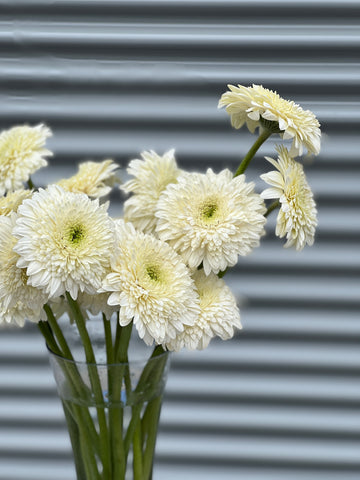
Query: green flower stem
137, 454
96, 385
72, 372
147, 373
122, 356
150, 420
127, 380
89, 460
86, 436
58, 333
117, 334
122, 351
85, 464
117, 442
135, 417
113, 424
49, 337
116, 412
80, 415
272, 207
149, 431
75, 439
221, 274
264, 135
30, 184
108, 340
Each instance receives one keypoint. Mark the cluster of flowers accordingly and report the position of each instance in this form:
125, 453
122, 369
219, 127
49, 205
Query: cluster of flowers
161, 266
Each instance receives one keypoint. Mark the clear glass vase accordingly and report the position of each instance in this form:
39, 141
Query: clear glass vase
112, 410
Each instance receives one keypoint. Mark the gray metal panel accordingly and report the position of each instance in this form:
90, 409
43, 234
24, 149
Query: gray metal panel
111, 78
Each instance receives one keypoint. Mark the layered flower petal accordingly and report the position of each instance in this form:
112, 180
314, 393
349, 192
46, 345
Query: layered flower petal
219, 315
12, 200
19, 301
152, 286
65, 241
249, 105
151, 176
211, 219
22, 153
95, 179
297, 217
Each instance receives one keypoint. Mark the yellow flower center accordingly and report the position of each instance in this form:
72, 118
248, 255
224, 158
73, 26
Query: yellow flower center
153, 272
75, 234
23, 276
209, 210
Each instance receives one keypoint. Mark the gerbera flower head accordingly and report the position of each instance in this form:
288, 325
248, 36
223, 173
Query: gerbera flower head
18, 300
211, 219
151, 175
297, 217
22, 152
12, 200
65, 241
219, 314
95, 179
153, 287
256, 105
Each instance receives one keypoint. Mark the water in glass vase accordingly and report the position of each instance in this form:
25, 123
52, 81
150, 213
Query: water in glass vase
112, 409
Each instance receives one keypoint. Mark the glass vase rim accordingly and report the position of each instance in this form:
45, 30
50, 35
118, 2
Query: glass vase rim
106, 364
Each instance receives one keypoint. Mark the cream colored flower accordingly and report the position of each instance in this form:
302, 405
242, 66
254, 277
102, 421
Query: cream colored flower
253, 105
65, 241
151, 176
18, 300
22, 152
211, 219
12, 200
219, 315
152, 286
297, 217
95, 179
96, 304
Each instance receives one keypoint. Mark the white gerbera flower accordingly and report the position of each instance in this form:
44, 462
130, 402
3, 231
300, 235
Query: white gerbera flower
219, 314
153, 287
95, 179
252, 104
211, 218
18, 300
65, 241
297, 217
12, 200
151, 176
22, 152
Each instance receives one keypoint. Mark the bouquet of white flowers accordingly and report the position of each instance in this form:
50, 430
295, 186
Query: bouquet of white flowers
159, 268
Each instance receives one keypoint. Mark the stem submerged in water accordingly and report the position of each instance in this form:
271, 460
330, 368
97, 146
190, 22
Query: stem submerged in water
96, 386
95, 398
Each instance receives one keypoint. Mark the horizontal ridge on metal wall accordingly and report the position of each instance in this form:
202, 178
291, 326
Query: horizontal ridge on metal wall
280, 400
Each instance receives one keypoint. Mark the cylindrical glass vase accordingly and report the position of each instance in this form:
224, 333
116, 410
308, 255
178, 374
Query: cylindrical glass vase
112, 410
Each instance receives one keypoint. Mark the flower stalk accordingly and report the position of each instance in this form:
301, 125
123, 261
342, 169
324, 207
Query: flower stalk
264, 135
273, 206
140, 433
95, 382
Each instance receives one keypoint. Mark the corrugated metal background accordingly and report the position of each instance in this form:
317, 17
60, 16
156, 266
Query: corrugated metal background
111, 78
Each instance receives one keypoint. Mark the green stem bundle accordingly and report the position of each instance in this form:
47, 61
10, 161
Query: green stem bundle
96, 385
100, 435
